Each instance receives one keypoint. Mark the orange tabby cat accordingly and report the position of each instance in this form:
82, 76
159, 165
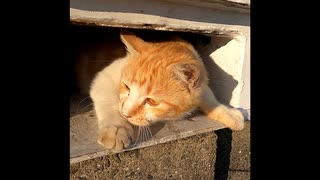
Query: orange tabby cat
155, 81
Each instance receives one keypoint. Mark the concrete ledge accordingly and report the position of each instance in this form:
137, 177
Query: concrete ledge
83, 134
223, 154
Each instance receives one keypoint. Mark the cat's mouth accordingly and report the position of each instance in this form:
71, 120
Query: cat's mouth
136, 121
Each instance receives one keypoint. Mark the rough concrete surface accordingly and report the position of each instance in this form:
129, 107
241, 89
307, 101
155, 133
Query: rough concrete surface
215, 155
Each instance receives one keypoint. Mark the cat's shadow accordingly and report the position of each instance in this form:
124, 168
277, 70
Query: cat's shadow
222, 84
223, 153
156, 127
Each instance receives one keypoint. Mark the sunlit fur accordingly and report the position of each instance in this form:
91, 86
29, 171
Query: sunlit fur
155, 81
160, 71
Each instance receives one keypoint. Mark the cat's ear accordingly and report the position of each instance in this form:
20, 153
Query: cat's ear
133, 43
188, 73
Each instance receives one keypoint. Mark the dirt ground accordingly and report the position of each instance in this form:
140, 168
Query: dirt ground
215, 155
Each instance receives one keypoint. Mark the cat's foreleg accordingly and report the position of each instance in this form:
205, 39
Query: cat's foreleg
115, 132
230, 117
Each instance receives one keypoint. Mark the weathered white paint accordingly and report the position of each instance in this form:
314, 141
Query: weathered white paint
160, 15
245, 91
230, 58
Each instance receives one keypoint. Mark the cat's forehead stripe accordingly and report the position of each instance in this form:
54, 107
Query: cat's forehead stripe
143, 79
135, 96
138, 90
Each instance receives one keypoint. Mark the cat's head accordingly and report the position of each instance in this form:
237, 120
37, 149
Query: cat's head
161, 80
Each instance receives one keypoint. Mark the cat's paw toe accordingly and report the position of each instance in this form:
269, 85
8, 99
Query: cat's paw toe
239, 125
237, 113
122, 140
239, 119
114, 138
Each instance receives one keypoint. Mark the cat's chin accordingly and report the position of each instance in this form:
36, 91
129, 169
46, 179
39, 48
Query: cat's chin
138, 122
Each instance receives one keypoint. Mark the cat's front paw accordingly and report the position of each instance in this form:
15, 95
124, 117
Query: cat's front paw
230, 117
115, 138
239, 119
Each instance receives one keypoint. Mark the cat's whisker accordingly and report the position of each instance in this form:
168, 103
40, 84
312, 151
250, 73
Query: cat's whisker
84, 99
76, 125
142, 137
142, 130
142, 134
150, 133
80, 111
145, 134
135, 131
77, 110
82, 116
138, 136
87, 106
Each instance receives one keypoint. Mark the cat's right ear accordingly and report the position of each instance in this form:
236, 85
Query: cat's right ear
133, 43
188, 73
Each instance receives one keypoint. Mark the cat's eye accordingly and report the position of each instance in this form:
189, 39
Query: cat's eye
127, 87
151, 102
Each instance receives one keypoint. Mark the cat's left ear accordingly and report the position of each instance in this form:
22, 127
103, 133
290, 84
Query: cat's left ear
188, 73
133, 43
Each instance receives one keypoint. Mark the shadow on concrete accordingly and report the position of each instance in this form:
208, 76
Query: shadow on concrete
222, 84
156, 127
223, 152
